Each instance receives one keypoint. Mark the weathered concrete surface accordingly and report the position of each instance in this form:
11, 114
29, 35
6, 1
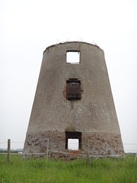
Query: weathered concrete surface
94, 115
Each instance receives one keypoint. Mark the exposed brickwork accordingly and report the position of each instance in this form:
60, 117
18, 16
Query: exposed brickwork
103, 143
92, 143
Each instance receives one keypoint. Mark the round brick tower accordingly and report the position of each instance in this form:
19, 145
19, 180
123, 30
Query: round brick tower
73, 104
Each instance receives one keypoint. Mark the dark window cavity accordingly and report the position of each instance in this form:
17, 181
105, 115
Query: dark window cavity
73, 89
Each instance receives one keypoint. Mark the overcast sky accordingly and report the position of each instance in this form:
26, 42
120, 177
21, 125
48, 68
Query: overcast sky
27, 27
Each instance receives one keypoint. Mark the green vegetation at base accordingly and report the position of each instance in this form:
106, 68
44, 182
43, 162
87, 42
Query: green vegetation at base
107, 170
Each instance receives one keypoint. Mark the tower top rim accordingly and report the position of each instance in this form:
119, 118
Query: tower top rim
71, 42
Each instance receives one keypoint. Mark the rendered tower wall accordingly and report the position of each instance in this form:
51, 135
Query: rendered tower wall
92, 119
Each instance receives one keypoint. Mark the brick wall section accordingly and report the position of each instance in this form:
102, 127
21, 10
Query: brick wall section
95, 143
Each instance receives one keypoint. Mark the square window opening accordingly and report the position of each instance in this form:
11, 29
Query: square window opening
73, 57
73, 144
73, 140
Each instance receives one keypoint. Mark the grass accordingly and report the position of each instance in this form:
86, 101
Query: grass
109, 170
